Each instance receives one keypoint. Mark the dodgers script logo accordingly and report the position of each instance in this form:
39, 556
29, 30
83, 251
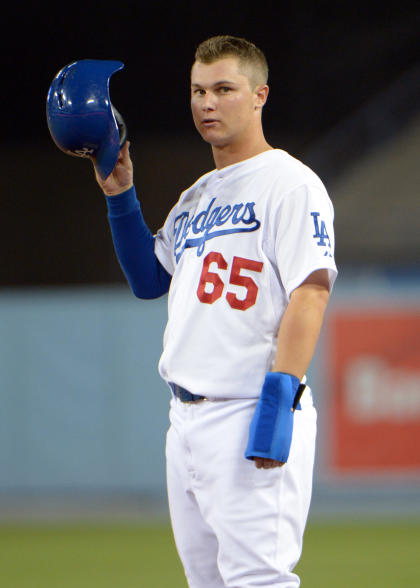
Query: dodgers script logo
194, 231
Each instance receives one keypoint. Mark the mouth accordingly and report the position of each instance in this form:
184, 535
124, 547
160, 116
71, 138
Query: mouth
209, 122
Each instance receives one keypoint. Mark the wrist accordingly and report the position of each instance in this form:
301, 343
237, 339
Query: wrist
117, 191
277, 374
122, 204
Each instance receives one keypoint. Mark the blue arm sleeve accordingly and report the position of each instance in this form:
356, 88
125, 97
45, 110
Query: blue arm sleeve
135, 246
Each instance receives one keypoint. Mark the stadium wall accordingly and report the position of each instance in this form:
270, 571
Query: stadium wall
85, 413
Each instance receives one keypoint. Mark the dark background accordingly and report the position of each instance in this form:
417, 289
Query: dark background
326, 60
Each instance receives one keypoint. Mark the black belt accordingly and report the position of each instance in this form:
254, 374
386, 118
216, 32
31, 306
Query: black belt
185, 396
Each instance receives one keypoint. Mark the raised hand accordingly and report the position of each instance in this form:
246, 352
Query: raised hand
121, 177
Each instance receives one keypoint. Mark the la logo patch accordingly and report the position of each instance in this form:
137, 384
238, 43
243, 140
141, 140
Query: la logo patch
321, 233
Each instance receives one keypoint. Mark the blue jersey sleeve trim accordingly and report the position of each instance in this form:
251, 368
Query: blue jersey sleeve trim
135, 246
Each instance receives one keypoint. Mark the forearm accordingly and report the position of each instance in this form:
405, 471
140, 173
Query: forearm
134, 246
300, 328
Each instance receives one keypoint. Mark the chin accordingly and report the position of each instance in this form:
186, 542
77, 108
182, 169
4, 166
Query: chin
212, 136
215, 139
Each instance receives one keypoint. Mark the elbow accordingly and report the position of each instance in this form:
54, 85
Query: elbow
312, 296
140, 294
150, 282
146, 293
149, 290
321, 296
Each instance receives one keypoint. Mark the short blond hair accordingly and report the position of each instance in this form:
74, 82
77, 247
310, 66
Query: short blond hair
250, 57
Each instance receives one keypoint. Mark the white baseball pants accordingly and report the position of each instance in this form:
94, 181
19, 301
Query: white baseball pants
236, 526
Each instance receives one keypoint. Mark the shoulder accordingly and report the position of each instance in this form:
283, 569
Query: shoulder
277, 174
293, 183
292, 188
288, 172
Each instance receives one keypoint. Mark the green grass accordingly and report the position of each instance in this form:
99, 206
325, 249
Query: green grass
338, 555
85, 556
370, 554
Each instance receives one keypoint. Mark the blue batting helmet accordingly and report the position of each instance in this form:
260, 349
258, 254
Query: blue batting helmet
81, 119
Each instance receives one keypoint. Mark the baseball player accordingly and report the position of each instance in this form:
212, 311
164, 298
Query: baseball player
247, 256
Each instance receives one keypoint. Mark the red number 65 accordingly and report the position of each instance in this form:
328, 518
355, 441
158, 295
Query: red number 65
211, 277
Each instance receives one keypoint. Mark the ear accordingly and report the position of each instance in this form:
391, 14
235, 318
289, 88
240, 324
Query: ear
260, 96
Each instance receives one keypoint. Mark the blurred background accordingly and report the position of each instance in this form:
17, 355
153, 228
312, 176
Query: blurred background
83, 412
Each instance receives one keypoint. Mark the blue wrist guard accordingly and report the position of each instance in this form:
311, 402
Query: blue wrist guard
270, 432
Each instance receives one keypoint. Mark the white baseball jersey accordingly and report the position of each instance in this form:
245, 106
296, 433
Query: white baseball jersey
237, 243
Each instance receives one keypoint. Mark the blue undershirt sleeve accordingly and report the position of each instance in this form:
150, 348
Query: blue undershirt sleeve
135, 246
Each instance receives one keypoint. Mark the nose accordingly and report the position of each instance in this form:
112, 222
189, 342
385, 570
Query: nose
208, 102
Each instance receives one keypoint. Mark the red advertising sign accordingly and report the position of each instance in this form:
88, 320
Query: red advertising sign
375, 392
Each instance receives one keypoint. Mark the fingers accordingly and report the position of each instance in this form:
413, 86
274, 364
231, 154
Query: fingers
124, 159
124, 153
123, 156
267, 464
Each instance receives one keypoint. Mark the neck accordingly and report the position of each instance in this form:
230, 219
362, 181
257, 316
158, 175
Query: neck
231, 153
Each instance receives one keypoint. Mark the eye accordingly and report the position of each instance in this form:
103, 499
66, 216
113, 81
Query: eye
224, 89
198, 92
